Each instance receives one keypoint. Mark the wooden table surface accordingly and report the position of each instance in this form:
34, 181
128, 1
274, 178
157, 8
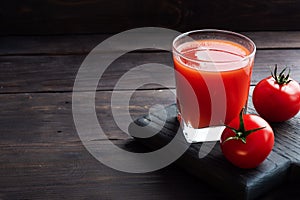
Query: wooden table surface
41, 155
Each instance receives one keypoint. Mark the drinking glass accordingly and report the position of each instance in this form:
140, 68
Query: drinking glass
212, 72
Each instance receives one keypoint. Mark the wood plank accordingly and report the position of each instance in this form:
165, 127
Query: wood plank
275, 39
67, 170
83, 44
41, 156
51, 115
54, 45
264, 59
57, 73
59, 17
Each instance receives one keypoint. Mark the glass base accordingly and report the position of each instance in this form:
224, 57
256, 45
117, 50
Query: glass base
192, 135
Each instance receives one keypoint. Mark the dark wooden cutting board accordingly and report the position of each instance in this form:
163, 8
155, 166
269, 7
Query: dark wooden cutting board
282, 166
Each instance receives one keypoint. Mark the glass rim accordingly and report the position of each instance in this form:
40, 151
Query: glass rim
216, 31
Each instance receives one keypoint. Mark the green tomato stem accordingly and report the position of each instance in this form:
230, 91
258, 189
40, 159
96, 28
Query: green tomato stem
241, 133
281, 78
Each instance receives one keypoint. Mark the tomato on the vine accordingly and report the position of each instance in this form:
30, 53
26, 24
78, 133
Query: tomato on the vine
247, 140
277, 98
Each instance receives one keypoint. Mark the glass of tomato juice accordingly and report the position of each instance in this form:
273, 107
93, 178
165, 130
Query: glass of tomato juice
212, 72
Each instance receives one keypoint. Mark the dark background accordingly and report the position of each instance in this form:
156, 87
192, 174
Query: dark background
111, 16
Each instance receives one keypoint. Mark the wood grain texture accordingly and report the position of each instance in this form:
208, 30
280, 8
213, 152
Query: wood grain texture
42, 157
51, 114
83, 44
95, 16
40, 150
275, 39
57, 73
67, 170
281, 166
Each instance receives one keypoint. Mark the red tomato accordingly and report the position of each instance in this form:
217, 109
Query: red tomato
275, 101
250, 143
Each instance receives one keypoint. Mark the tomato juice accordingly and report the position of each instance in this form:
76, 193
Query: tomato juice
206, 64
